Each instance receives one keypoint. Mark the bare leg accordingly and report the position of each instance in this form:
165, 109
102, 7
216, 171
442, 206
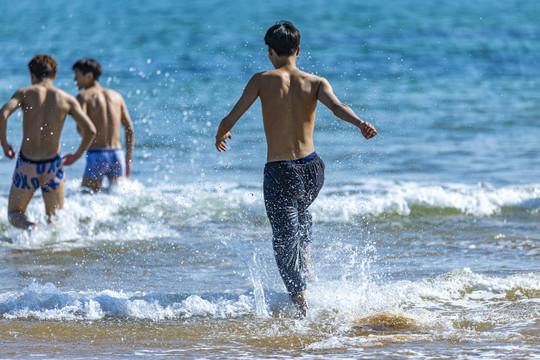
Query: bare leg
299, 300
93, 184
17, 204
115, 181
54, 200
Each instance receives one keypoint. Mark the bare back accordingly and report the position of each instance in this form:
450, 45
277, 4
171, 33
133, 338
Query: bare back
289, 102
44, 112
105, 107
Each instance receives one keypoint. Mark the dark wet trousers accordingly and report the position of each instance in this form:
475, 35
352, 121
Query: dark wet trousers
289, 189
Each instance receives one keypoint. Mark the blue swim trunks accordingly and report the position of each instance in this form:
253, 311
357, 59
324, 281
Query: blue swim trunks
31, 174
105, 162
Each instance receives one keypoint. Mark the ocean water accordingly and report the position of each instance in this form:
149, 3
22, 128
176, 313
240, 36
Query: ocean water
426, 238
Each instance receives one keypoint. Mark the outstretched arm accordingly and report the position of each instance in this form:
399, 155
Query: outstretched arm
130, 137
251, 92
342, 111
88, 132
9, 108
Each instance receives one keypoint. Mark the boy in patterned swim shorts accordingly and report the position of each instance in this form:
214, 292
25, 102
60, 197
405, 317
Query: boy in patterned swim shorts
107, 110
39, 164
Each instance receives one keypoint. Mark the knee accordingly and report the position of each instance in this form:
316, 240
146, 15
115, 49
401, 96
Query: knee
285, 235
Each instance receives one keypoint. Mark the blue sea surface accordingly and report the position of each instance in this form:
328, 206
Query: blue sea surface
426, 237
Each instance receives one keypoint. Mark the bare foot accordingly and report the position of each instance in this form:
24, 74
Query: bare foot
33, 226
299, 300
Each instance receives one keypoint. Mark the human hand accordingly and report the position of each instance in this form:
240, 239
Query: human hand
9, 151
221, 143
368, 130
69, 159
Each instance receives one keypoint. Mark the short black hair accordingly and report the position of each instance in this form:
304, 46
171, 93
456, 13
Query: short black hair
283, 38
88, 65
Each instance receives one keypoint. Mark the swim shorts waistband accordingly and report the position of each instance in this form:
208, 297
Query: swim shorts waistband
25, 159
92, 150
303, 160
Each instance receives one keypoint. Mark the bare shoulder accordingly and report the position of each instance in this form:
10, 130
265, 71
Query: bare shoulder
64, 95
307, 78
264, 73
112, 95
25, 90
260, 76
306, 75
83, 96
309, 82
38, 93
88, 96
104, 94
315, 79
25, 96
270, 74
279, 74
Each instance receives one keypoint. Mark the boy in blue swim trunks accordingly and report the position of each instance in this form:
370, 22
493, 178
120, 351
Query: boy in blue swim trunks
39, 164
107, 110
294, 173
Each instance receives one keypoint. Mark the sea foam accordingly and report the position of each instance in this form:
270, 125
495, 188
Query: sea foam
136, 212
433, 300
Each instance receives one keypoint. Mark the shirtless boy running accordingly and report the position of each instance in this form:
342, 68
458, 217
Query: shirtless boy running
39, 164
107, 110
294, 173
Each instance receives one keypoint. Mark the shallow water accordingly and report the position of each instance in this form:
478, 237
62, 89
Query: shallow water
426, 238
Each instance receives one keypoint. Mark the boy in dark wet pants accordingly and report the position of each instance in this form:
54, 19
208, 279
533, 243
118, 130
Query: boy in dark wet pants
294, 174
290, 186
